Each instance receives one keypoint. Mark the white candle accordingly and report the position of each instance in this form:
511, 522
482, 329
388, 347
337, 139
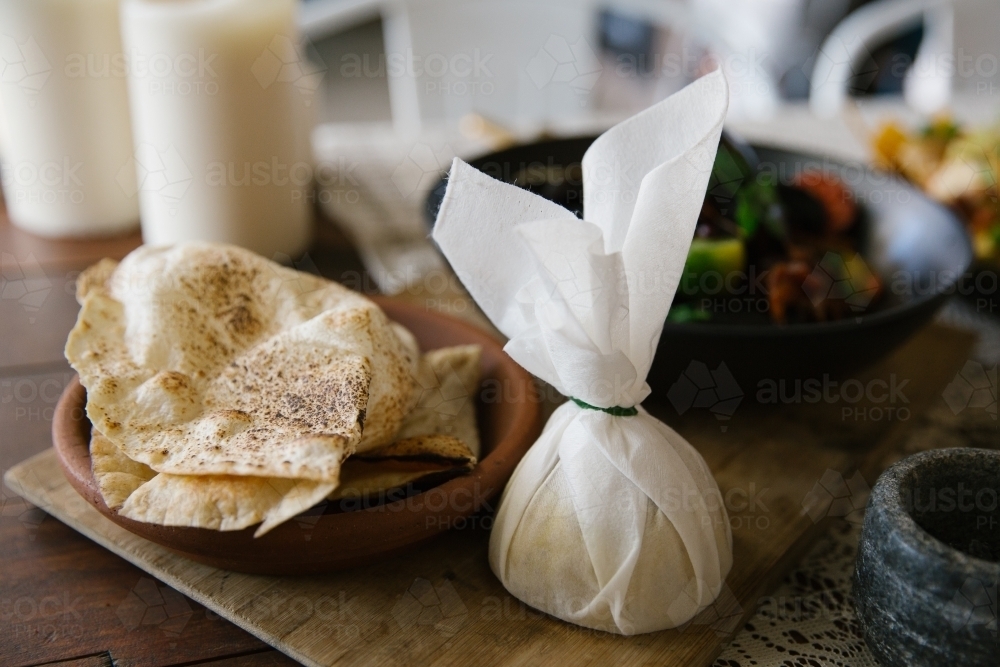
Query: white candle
216, 88
67, 132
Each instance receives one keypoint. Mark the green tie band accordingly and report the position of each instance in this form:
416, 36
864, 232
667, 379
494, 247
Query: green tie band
617, 411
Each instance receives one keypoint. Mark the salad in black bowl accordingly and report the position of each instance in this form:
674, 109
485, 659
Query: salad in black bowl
789, 248
801, 267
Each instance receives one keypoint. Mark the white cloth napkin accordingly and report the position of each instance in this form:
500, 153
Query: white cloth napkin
612, 522
374, 184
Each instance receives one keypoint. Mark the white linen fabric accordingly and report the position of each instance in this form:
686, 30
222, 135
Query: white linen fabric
610, 522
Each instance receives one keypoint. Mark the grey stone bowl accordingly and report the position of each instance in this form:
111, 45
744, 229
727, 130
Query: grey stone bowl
925, 582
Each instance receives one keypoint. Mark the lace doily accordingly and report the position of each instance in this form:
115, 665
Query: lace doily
809, 620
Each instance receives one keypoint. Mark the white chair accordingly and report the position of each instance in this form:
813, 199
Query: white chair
927, 85
523, 64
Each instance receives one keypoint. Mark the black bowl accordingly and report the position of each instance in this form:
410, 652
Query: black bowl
925, 583
917, 246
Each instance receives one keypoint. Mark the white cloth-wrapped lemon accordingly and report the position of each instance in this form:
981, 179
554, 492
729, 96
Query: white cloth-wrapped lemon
612, 520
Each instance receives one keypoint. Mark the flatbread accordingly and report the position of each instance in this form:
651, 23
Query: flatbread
223, 502
206, 359
431, 447
401, 463
447, 384
228, 502
227, 391
117, 475
216, 502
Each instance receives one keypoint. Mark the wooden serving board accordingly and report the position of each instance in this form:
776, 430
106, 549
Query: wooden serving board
779, 467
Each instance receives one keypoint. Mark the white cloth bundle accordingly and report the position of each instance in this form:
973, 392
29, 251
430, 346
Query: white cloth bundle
610, 521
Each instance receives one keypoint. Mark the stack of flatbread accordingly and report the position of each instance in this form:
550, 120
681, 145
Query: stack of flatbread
226, 390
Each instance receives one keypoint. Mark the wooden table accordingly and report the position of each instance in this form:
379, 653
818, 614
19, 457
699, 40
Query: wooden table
62, 597
64, 600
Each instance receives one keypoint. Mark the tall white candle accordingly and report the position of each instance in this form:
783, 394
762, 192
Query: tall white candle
218, 113
63, 92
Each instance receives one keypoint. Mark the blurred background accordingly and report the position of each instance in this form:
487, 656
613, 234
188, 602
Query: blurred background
366, 102
407, 85
553, 65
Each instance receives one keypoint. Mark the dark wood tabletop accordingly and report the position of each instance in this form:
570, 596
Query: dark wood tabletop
63, 599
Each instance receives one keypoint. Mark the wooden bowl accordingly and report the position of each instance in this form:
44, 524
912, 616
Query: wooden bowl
326, 539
